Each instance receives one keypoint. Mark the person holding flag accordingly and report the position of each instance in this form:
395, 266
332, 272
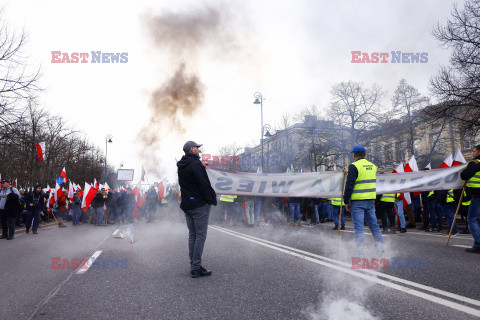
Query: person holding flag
359, 198
472, 174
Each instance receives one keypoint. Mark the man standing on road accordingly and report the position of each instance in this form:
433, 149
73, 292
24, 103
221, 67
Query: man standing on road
8, 223
359, 196
197, 197
472, 174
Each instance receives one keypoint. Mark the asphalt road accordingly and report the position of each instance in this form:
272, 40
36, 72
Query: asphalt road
270, 272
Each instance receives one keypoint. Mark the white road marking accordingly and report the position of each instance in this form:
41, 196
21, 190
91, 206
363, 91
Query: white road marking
84, 267
345, 267
115, 232
461, 246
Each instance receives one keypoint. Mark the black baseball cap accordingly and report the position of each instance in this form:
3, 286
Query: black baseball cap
189, 145
5, 180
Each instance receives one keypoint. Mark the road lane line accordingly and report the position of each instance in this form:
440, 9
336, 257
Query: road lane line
461, 246
84, 267
347, 269
115, 232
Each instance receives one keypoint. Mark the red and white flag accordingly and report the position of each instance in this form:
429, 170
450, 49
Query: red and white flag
143, 174
89, 193
58, 191
161, 189
95, 184
447, 162
404, 196
458, 159
70, 191
15, 184
411, 165
63, 174
40, 150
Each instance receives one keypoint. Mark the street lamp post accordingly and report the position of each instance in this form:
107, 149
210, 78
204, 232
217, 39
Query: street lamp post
259, 100
108, 139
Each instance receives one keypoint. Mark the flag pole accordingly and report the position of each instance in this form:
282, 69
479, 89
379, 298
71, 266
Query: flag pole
341, 207
456, 212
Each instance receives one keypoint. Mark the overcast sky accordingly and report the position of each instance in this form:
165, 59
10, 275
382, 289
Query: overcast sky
290, 51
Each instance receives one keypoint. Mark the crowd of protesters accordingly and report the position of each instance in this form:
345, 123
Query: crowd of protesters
32, 210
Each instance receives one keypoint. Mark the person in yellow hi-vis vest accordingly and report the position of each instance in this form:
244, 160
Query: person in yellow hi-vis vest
472, 174
385, 206
359, 197
227, 203
336, 204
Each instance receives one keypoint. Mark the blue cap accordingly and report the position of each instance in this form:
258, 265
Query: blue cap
359, 149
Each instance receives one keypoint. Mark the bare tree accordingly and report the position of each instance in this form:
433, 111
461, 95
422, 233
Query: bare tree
407, 104
458, 85
17, 82
355, 108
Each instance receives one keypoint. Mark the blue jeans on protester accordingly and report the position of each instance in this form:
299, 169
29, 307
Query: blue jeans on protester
472, 220
328, 209
364, 210
336, 212
400, 213
76, 214
99, 215
197, 223
258, 208
449, 211
321, 210
295, 207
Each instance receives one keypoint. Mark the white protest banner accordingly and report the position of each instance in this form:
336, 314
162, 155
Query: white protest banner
328, 184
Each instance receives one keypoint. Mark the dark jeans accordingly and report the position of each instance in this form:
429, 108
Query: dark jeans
8, 224
32, 216
386, 211
197, 223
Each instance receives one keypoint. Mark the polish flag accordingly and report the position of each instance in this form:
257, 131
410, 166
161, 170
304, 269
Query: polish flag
70, 191
143, 174
51, 200
447, 162
15, 184
63, 174
95, 184
411, 165
404, 196
58, 191
89, 193
40, 150
106, 186
458, 159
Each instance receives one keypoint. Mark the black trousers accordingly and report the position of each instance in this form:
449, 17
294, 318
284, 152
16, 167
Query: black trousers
386, 210
8, 224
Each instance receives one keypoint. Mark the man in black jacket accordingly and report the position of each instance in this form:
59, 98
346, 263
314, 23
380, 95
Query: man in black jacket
472, 174
34, 202
197, 197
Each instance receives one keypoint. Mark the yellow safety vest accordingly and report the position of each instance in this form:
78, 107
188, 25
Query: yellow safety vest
388, 197
430, 194
227, 198
365, 185
450, 197
465, 203
337, 202
474, 181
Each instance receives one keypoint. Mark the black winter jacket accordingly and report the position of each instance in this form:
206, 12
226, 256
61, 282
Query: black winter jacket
34, 201
195, 187
472, 168
13, 206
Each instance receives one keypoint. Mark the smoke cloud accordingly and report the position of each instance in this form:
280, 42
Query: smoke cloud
183, 36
